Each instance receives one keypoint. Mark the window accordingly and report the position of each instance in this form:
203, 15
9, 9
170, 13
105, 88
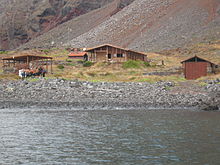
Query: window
119, 55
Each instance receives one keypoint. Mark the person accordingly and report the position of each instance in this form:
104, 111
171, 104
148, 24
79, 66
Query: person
44, 72
27, 72
20, 73
40, 70
23, 74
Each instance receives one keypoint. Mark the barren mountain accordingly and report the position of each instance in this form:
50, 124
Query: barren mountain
23, 20
144, 25
157, 24
78, 26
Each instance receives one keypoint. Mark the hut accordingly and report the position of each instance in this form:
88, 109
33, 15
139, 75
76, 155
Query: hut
196, 67
107, 52
78, 56
15, 63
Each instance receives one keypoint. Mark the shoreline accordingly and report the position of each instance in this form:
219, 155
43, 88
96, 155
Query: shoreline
79, 106
73, 95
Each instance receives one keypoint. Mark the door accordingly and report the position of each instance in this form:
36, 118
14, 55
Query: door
109, 56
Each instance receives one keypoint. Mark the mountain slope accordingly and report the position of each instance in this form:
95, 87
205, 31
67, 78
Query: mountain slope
148, 25
23, 20
76, 27
143, 25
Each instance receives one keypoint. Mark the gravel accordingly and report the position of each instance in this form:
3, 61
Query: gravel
59, 93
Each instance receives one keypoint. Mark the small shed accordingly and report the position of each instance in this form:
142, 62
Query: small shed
108, 52
15, 63
78, 56
196, 67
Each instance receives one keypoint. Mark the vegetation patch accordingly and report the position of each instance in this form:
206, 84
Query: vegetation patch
146, 64
87, 64
133, 72
149, 80
131, 64
153, 79
69, 60
33, 79
103, 64
167, 88
60, 67
203, 84
71, 64
80, 61
95, 81
132, 78
46, 51
91, 74
3, 52
80, 75
175, 78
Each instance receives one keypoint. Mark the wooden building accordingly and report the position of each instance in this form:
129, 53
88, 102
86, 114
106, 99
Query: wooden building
107, 52
15, 63
78, 56
196, 67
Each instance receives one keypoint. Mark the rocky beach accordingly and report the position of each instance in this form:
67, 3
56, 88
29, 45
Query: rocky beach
80, 95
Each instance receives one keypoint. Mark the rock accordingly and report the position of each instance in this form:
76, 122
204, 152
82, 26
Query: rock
210, 108
59, 93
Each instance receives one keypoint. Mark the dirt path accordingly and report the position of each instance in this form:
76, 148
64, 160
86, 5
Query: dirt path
188, 87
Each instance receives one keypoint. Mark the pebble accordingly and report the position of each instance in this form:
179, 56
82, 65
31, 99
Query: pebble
59, 93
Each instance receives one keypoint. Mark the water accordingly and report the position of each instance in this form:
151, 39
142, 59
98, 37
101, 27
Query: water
109, 137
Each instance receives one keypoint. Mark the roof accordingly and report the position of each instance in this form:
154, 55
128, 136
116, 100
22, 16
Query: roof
77, 54
198, 58
24, 57
90, 49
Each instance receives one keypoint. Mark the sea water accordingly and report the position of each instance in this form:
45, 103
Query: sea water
109, 137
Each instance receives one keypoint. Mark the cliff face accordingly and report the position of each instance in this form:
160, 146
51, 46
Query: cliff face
23, 20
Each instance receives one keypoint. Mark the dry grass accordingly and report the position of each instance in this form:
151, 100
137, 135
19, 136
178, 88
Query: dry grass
9, 77
210, 77
111, 73
209, 51
169, 61
115, 72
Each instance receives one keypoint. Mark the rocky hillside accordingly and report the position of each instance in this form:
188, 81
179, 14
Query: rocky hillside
144, 25
23, 20
148, 25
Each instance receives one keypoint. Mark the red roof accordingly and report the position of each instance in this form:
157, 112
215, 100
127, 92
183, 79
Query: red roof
77, 54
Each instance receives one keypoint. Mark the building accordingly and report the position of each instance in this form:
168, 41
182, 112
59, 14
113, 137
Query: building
107, 52
196, 67
78, 56
15, 63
